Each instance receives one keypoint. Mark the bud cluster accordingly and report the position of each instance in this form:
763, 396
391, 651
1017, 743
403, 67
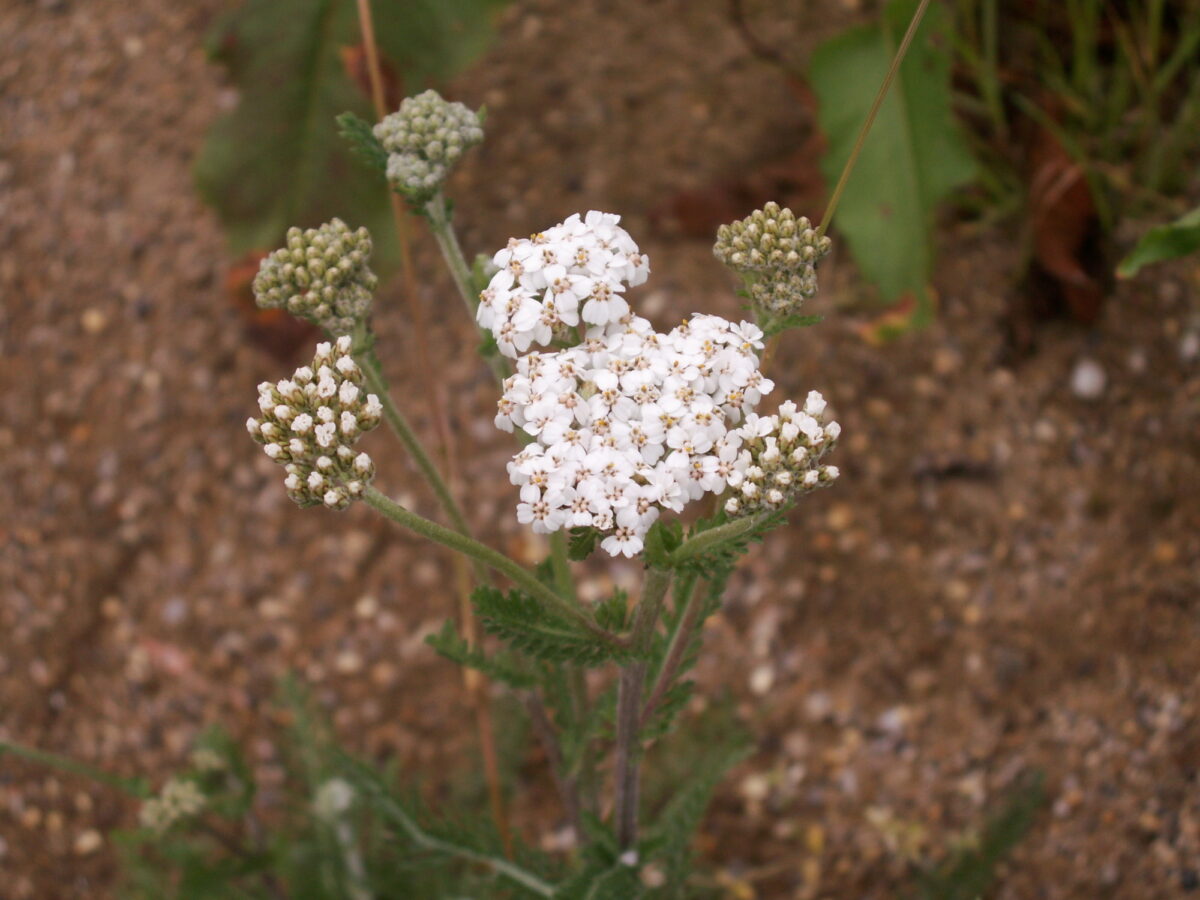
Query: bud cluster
423, 140
179, 799
776, 253
781, 457
207, 761
310, 423
334, 799
321, 275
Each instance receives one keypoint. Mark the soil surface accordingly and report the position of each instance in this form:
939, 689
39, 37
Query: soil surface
1004, 580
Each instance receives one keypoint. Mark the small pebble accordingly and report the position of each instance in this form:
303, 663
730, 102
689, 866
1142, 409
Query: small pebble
88, 842
762, 679
1088, 380
1189, 346
93, 320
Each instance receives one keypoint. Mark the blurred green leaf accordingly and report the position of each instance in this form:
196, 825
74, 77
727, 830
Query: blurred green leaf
136, 787
277, 159
1163, 242
433, 40
969, 872
914, 155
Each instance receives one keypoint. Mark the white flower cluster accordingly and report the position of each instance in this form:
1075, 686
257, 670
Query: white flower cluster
423, 140
575, 272
206, 761
179, 799
334, 799
310, 423
781, 457
628, 422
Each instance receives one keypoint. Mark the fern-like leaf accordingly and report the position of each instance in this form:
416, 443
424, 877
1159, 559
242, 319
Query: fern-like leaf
670, 839
502, 667
363, 142
582, 542
542, 632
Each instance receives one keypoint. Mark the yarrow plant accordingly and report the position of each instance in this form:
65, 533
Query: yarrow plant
633, 441
636, 442
624, 430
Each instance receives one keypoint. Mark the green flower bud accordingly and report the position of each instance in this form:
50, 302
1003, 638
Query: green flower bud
423, 140
320, 275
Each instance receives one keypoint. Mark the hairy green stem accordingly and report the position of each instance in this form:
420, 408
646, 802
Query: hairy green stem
715, 537
493, 559
560, 564
498, 865
629, 703
373, 374
447, 240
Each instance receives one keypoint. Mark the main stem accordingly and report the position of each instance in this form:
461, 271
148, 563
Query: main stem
676, 646
629, 702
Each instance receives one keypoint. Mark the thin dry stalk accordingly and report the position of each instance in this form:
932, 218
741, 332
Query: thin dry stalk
476, 684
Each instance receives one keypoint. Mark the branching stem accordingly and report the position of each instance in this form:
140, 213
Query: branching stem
715, 537
442, 227
404, 431
493, 559
428, 842
676, 647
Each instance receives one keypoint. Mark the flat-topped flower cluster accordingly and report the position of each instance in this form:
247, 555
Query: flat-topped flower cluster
627, 422
573, 273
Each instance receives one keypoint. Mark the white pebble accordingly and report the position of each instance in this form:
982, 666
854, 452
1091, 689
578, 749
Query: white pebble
1088, 379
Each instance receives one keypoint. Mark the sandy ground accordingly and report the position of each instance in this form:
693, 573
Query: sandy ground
1005, 578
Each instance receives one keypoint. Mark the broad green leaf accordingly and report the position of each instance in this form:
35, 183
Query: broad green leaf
433, 39
276, 160
914, 155
1163, 242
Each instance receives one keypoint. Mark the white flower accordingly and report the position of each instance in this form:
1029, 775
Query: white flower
548, 283
301, 422
652, 435
628, 422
